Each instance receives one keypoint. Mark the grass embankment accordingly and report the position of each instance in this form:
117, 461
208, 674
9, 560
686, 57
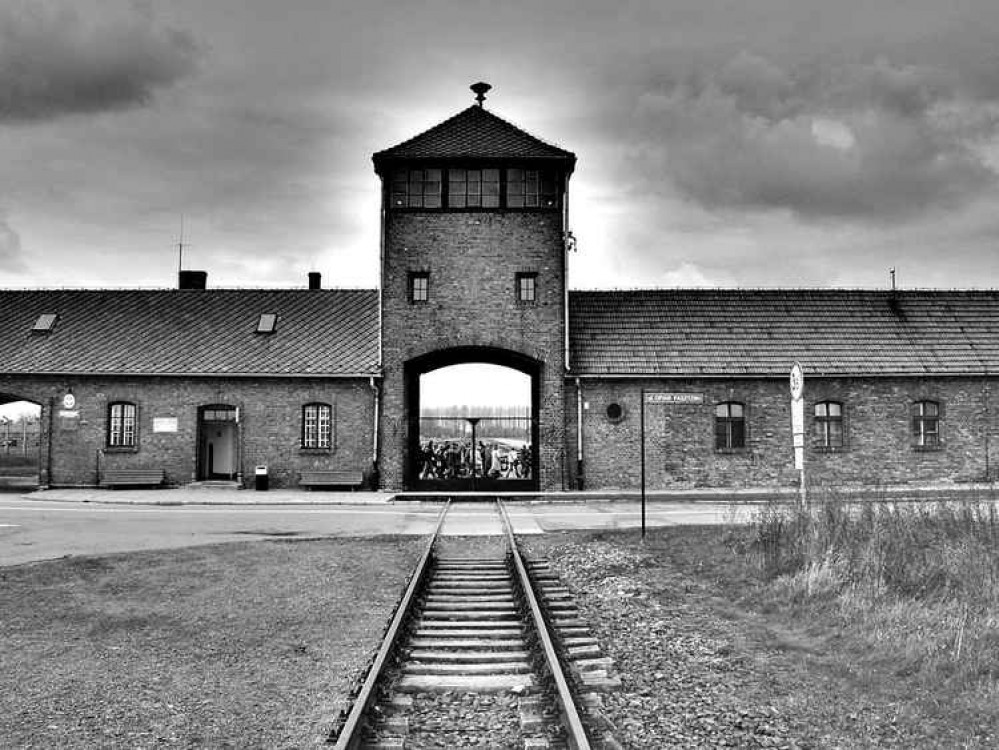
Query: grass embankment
238, 645
915, 583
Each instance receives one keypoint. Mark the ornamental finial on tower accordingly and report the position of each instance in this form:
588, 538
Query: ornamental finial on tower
480, 90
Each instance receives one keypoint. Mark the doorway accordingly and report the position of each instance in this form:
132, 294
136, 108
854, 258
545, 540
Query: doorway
217, 442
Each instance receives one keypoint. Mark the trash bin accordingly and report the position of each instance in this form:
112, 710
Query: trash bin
262, 477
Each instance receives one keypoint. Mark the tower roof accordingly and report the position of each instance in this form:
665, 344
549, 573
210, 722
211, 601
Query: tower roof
474, 133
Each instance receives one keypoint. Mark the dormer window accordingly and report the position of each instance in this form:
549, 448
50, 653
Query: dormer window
45, 323
267, 323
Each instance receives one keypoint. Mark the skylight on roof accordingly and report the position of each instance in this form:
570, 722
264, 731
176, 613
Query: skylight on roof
45, 323
267, 323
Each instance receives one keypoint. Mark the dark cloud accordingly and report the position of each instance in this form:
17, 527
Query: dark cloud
55, 62
870, 140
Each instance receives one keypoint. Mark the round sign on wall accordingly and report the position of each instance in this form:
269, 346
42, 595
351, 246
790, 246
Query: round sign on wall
797, 381
68, 401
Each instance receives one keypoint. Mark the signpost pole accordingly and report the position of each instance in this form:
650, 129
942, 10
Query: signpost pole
641, 421
797, 382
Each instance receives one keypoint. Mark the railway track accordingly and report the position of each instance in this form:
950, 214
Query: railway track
484, 650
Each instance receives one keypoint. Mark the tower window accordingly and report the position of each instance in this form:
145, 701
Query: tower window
531, 188
473, 188
527, 287
416, 188
419, 286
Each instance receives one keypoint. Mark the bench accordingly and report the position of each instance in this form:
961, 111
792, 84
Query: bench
342, 478
132, 477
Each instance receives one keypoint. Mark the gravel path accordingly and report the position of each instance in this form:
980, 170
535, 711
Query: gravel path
683, 686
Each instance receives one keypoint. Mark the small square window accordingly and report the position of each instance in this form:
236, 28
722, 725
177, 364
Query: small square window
45, 323
267, 323
527, 287
419, 287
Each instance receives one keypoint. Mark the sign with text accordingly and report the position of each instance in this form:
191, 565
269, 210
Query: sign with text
667, 397
164, 424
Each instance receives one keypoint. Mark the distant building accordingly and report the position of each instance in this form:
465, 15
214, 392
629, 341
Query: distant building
208, 384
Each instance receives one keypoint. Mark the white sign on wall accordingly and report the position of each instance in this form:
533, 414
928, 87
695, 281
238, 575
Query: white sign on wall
663, 397
164, 424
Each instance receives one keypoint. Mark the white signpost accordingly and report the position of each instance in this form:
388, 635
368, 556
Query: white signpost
798, 424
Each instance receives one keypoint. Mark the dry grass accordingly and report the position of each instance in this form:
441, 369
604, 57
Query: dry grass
921, 579
248, 645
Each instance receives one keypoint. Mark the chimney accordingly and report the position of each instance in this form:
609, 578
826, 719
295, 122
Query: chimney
192, 279
315, 280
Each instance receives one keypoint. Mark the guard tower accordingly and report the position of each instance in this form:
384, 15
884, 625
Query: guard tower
473, 269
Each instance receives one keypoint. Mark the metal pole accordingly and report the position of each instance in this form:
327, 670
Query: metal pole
475, 450
641, 421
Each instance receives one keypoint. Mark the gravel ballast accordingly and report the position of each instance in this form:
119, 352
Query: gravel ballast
682, 686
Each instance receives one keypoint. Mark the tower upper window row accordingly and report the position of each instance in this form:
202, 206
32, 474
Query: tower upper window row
474, 188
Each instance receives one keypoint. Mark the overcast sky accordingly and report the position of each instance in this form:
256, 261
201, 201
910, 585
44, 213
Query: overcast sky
720, 142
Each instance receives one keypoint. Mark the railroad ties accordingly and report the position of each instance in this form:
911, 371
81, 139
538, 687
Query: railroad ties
471, 658
469, 637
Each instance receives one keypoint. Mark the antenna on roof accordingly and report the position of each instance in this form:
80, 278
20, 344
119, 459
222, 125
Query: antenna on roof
480, 90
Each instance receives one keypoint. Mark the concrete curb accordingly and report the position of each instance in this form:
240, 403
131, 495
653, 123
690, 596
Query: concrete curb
755, 495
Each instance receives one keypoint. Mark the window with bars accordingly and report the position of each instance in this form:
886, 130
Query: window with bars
473, 188
527, 285
531, 188
317, 425
829, 425
121, 424
730, 426
926, 424
416, 188
419, 286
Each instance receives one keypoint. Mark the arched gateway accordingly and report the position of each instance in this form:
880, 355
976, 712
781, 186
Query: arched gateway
476, 430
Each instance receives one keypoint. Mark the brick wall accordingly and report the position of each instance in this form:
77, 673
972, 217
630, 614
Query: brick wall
269, 426
472, 258
680, 448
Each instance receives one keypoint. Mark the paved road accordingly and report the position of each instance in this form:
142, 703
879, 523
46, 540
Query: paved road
32, 530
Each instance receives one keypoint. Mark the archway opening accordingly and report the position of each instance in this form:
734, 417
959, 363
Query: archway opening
20, 442
473, 424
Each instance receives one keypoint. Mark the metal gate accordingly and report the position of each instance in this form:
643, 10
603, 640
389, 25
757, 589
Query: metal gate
475, 453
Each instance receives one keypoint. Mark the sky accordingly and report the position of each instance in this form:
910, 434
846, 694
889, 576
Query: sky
720, 143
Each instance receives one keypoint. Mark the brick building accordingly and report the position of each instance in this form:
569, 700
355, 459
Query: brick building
206, 384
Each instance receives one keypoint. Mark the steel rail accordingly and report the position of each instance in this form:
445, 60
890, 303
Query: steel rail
575, 733
350, 734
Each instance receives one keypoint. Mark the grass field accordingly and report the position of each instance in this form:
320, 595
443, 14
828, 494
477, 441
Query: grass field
237, 645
